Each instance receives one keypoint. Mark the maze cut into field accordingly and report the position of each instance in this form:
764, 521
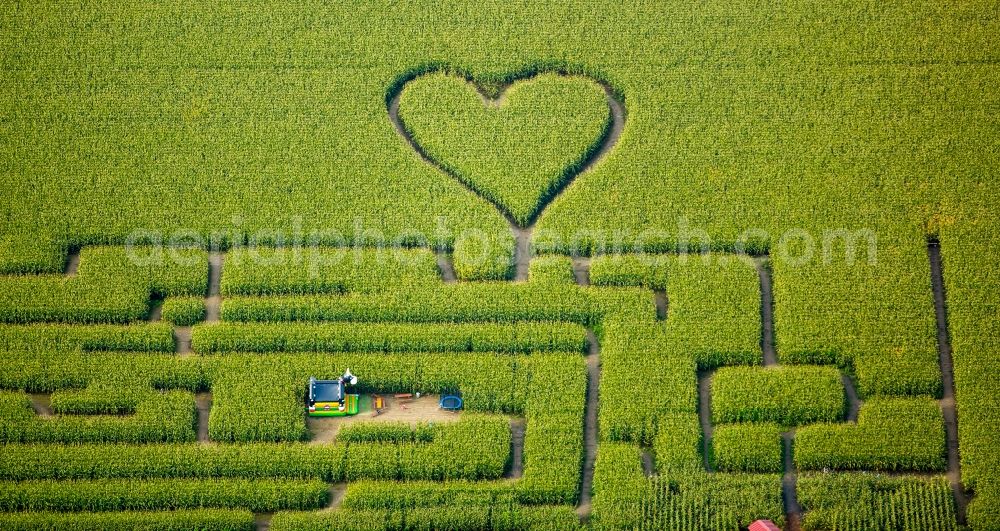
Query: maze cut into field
687, 266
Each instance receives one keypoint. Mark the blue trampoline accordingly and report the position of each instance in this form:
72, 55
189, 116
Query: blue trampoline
451, 402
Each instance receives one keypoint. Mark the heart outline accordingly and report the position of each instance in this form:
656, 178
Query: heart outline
598, 151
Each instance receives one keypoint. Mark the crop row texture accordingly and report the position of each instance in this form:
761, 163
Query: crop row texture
158, 417
649, 368
892, 434
162, 494
547, 127
473, 448
787, 395
442, 303
387, 337
315, 271
625, 499
870, 502
204, 519
457, 517
110, 286
747, 448
970, 252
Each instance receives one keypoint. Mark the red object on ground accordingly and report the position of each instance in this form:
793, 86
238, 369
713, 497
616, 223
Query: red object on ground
764, 525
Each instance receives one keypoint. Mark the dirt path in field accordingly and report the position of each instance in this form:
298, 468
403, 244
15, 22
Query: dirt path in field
447, 267
516, 466
766, 311
853, 402
156, 310
662, 303
705, 416
337, 492
789, 496
72, 262
648, 463
581, 270
213, 302
522, 234
590, 428
789, 493
40, 402
411, 411
203, 401
947, 402
522, 251
262, 521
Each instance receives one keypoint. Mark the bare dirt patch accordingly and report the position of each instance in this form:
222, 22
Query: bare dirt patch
40, 403
72, 262
516, 466
203, 401
182, 340
411, 411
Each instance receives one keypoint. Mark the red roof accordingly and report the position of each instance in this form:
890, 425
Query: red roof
764, 525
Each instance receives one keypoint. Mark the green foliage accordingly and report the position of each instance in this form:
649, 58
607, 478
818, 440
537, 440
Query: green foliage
707, 295
168, 417
678, 443
456, 303
252, 407
184, 311
892, 434
484, 256
786, 395
984, 509
875, 502
152, 337
114, 381
747, 448
624, 499
249, 461
713, 309
313, 270
22, 254
475, 447
111, 286
649, 368
875, 320
394, 432
451, 516
642, 380
713, 501
551, 269
267, 123
160, 494
205, 519
648, 271
516, 152
386, 495
620, 489
294, 337
553, 439
105, 396
970, 253
499, 500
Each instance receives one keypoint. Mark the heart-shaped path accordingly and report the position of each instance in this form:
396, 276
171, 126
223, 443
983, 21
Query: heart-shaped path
518, 151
